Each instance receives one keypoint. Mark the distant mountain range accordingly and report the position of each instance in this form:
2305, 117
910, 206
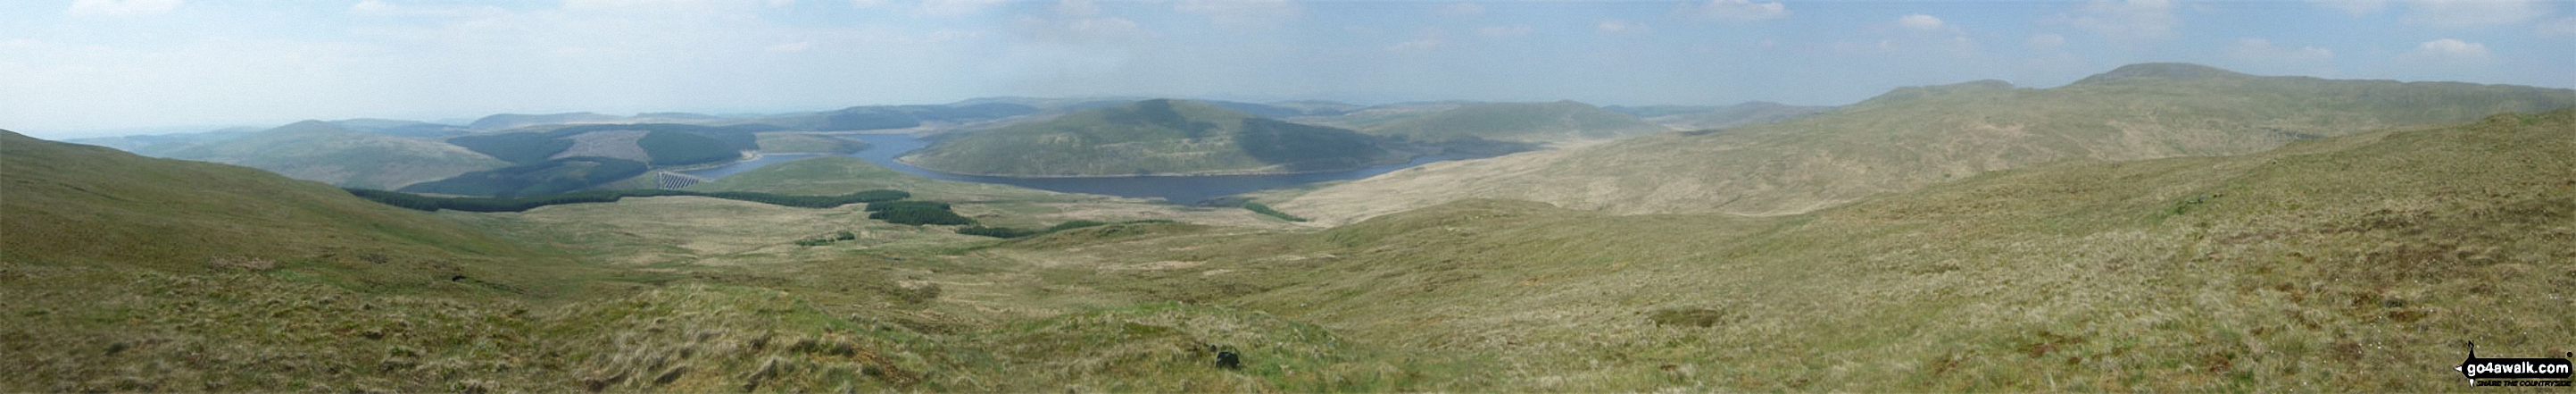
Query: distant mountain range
1526, 122
394, 154
1916, 136
1697, 117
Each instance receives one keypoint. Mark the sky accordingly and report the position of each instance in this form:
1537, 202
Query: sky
104, 67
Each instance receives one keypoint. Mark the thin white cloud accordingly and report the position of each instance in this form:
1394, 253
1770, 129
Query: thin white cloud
1733, 10
670, 5
1920, 22
1081, 30
1426, 40
2261, 51
1615, 26
2127, 19
2045, 41
1077, 8
2356, 7
2563, 27
1460, 10
2473, 13
799, 46
1244, 13
2448, 51
1504, 31
956, 7
382, 8
1416, 45
121, 7
866, 4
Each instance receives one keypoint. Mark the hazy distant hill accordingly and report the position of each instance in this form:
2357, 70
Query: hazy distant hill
678, 144
325, 152
1915, 136
838, 175
404, 128
1683, 117
1159, 136
158, 144
74, 204
1556, 121
546, 177
877, 117
1052, 103
1288, 109
512, 121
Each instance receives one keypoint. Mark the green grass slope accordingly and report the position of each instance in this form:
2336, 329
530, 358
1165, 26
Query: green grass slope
1152, 137
547, 177
1528, 122
1913, 137
71, 204
678, 148
2363, 262
125, 273
324, 152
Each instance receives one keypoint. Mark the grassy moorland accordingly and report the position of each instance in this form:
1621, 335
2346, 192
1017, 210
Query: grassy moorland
1911, 138
2361, 262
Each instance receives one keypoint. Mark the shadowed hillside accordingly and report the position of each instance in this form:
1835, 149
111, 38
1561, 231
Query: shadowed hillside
1917, 136
1153, 137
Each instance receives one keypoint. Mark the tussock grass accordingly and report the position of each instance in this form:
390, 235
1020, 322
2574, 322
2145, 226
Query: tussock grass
1915, 137
2352, 263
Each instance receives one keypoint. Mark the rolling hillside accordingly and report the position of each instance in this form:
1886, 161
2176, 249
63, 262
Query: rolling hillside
1153, 137
512, 121
70, 203
325, 152
1526, 122
158, 144
2360, 262
403, 128
875, 117
793, 142
540, 178
1917, 136
1719, 117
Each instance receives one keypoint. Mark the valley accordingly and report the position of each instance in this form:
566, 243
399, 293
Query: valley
2154, 227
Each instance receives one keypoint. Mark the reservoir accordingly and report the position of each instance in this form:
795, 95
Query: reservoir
883, 148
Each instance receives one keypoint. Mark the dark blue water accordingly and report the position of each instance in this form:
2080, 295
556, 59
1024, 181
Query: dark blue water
883, 148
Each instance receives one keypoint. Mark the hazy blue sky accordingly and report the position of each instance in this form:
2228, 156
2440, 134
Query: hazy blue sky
85, 67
